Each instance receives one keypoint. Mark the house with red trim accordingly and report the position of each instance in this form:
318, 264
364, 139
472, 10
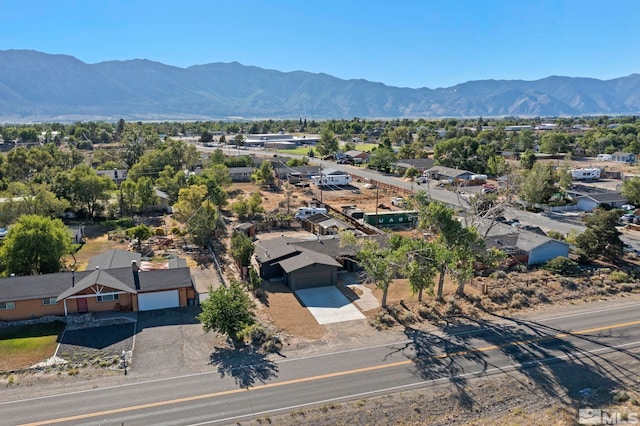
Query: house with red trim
117, 280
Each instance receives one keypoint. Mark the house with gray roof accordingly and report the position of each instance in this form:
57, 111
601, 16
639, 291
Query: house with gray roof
302, 263
591, 202
528, 247
115, 281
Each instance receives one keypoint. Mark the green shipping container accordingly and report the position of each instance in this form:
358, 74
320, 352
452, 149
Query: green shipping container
404, 217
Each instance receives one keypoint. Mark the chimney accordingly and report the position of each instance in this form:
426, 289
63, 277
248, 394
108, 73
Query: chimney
136, 276
73, 278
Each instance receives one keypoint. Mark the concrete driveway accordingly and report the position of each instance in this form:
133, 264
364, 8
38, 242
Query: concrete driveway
171, 340
328, 305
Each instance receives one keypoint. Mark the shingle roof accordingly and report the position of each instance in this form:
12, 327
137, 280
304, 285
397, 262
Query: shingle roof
114, 258
99, 277
307, 258
52, 285
448, 171
606, 197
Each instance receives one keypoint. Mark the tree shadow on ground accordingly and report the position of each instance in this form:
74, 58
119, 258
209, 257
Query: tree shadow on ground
568, 366
245, 365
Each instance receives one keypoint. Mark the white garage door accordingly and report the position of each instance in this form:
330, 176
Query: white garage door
158, 300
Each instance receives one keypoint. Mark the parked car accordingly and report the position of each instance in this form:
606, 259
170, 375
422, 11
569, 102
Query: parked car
422, 179
627, 217
397, 201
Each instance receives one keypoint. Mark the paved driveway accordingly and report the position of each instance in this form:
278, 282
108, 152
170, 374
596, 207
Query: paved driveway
100, 343
171, 339
328, 305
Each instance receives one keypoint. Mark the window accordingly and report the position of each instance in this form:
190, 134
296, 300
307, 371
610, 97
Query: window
7, 305
107, 297
49, 301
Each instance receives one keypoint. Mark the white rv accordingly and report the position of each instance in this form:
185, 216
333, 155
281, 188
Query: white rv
585, 174
331, 180
305, 212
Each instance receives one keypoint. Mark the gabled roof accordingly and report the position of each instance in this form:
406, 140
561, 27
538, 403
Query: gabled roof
161, 194
418, 163
501, 235
29, 287
307, 258
99, 277
448, 171
355, 153
273, 249
114, 258
240, 170
605, 197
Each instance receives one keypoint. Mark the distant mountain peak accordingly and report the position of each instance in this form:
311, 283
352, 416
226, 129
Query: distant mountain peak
36, 86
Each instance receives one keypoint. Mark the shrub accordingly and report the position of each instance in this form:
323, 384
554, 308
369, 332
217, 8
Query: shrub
499, 275
619, 276
542, 296
159, 232
518, 301
562, 266
555, 235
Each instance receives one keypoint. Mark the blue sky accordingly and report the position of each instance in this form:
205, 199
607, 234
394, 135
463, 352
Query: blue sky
421, 43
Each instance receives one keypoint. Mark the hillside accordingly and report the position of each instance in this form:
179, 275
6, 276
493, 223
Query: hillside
37, 86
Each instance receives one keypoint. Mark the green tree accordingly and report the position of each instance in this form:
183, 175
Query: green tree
538, 184
35, 245
528, 159
205, 224
241, 248
328, 142
85, 189
418, 265
379, 264
554, 142
227, 311
264, 175
497, 165
631, 190
146, 193
601, 239
141, 232
128, 196
189, 201
383, 158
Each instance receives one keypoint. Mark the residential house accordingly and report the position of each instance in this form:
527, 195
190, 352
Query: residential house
421, 164
303, 263
107, 286
163, 201
323, 224
530, 248
456, 176
623, 157
240, 174
592, 201
116, 175
363, 156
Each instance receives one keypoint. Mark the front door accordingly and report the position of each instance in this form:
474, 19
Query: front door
82, 305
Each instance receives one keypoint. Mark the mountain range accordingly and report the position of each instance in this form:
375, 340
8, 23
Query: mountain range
36, 86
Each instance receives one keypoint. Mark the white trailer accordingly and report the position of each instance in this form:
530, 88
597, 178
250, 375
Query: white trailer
585, 174
331, 180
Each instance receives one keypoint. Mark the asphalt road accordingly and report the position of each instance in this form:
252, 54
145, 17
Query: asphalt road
597, 342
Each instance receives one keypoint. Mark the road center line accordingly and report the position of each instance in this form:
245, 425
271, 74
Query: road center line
324, 376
